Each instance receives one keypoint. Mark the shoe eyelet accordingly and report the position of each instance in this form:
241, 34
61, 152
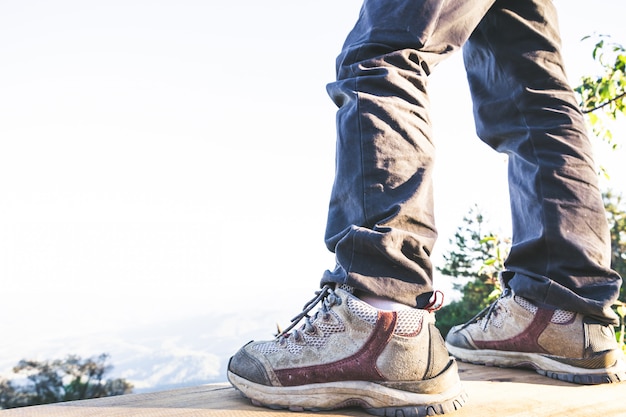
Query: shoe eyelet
315, 331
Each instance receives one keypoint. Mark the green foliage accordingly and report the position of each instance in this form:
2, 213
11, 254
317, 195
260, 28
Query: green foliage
621, 312
60, 380
616, 215
477, 256
602, 96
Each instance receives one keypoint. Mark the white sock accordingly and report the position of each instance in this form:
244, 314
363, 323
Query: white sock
382, 303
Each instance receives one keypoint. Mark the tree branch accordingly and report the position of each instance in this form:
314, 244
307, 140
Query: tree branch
585, 111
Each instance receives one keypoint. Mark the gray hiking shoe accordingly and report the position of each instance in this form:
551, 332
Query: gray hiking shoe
351, 354
514, 332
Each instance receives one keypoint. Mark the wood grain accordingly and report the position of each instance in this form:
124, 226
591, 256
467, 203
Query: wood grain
492, 392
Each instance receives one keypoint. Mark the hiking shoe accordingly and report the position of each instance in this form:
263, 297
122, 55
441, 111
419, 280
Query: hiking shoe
515, 332
349, 354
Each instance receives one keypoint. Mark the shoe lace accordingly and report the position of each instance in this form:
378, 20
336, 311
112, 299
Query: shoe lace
485, 314
327, 297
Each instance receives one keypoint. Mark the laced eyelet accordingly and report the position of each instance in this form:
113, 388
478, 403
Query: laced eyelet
328, 298
483, 317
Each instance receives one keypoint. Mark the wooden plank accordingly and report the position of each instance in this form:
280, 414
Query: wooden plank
492, 392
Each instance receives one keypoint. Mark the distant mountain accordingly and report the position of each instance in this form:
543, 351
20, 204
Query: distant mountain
165, 355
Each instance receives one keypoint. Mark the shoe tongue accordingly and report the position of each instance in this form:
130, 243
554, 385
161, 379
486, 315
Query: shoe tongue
346, 288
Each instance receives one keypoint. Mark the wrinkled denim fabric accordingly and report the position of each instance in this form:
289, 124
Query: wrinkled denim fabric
381, 223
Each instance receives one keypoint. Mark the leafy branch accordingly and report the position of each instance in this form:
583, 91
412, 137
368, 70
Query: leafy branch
607, 103
602, 97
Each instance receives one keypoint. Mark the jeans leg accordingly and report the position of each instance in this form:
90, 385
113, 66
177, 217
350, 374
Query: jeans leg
380, 222
524, 107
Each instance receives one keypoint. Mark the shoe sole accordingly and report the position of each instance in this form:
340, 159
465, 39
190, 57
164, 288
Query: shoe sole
374, 398
542, 364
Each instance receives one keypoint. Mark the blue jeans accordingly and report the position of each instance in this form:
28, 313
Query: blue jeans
381, 222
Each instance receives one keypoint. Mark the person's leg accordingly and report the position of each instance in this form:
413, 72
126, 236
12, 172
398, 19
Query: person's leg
559, 285
381, 226
381, 222
560, 253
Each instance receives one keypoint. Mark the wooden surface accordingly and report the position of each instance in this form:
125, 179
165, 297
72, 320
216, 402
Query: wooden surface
492, 392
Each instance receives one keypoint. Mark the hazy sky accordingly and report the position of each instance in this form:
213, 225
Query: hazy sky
162, 159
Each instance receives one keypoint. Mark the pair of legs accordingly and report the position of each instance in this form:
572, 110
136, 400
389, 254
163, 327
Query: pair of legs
555, 314
381, 222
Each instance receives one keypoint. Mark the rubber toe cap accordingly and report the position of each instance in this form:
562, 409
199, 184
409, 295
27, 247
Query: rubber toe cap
247, 366
457, 338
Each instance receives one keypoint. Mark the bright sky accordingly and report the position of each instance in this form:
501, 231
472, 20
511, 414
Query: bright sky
162, 159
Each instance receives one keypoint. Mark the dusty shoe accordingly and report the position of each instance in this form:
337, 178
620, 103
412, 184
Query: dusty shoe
560, 344
350, 354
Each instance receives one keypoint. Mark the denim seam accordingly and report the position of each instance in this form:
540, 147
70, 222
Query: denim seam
348, 268
360, 133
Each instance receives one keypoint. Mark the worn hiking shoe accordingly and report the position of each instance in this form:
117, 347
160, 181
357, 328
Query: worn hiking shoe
391, 363
514, 332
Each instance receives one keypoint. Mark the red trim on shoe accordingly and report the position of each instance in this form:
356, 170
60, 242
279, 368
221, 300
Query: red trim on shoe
526, 341
359, 367
435, 302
